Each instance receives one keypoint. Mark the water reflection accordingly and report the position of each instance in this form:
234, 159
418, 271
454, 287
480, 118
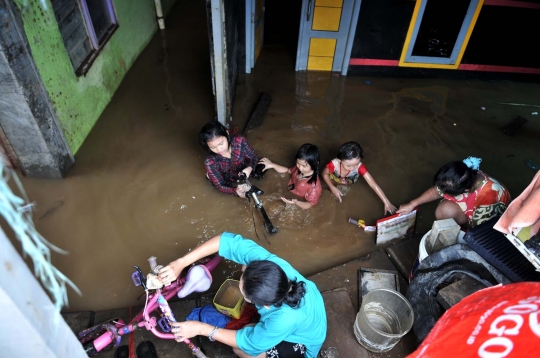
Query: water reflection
319, 98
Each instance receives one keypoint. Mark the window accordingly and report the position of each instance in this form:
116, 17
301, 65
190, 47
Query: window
439, 33
86, 26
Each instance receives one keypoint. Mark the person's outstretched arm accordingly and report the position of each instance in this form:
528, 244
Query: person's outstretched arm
268, 164
170, 272
326, 177
388, 207
189, 329
429, 195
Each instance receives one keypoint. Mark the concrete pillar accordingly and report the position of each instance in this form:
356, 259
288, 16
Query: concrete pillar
31, 326
27, 117
219, 58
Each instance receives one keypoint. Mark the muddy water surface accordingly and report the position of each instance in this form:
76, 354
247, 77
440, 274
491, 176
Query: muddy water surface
138, 187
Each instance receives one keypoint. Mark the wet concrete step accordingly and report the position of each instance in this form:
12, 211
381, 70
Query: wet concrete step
341, 314
344, 277
79, 321
404, 254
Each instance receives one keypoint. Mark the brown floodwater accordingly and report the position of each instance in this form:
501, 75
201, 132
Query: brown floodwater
138, 189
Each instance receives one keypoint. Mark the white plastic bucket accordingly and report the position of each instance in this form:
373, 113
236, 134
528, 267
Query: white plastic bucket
422, 252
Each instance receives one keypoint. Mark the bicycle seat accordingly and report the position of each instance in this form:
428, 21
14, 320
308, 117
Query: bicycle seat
198, 279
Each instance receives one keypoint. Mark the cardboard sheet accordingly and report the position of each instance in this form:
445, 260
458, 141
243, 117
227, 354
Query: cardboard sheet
395, 226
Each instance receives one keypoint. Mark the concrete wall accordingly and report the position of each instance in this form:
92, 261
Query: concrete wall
30, 131
79, 101
33, 153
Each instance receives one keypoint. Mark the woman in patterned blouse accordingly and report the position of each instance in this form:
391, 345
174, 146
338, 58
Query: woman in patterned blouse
469, 196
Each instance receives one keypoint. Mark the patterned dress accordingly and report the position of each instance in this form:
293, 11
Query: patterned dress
489, 199
334, 167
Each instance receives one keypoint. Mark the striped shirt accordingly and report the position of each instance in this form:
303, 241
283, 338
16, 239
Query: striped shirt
223, 172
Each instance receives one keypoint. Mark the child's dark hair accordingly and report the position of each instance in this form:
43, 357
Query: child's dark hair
455, 178
210, 131
266, 284
350, 150
310, 153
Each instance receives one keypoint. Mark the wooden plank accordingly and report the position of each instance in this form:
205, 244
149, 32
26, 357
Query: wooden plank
71, 23
454, 293
73, 30
62, 8
80, 52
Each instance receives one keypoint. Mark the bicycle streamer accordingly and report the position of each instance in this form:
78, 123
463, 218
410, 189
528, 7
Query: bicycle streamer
131, 343
167, 312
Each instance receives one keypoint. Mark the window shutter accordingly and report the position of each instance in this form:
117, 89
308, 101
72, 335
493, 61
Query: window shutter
73, 29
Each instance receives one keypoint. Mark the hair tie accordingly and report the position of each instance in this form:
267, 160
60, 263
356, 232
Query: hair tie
473, 162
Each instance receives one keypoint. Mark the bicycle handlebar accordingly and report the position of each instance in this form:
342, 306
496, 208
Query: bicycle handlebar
143, 319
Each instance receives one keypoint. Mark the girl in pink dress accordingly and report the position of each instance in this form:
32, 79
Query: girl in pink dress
304, 181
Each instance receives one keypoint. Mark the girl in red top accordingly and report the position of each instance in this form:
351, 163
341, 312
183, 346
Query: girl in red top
304, 176
347, 168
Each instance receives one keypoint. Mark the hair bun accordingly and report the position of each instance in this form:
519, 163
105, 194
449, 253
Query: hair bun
473, 162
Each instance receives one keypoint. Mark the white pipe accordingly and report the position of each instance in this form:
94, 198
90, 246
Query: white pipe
249, 34
159, 13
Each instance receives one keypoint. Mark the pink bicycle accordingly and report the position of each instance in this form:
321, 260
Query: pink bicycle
109, 334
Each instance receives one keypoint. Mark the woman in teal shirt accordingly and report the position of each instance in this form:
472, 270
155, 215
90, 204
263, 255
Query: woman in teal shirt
293, 317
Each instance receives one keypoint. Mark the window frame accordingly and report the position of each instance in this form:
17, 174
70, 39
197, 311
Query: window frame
87, 32
85, 65
91, 31
451, 62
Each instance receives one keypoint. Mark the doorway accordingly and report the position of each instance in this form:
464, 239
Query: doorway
312, 35
274, 26
318, 33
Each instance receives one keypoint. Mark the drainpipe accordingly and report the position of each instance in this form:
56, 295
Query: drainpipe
159, 12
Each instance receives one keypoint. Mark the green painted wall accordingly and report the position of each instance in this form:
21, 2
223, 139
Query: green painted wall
79, 101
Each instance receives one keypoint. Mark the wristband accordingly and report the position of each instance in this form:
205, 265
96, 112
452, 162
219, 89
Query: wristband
212, 334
